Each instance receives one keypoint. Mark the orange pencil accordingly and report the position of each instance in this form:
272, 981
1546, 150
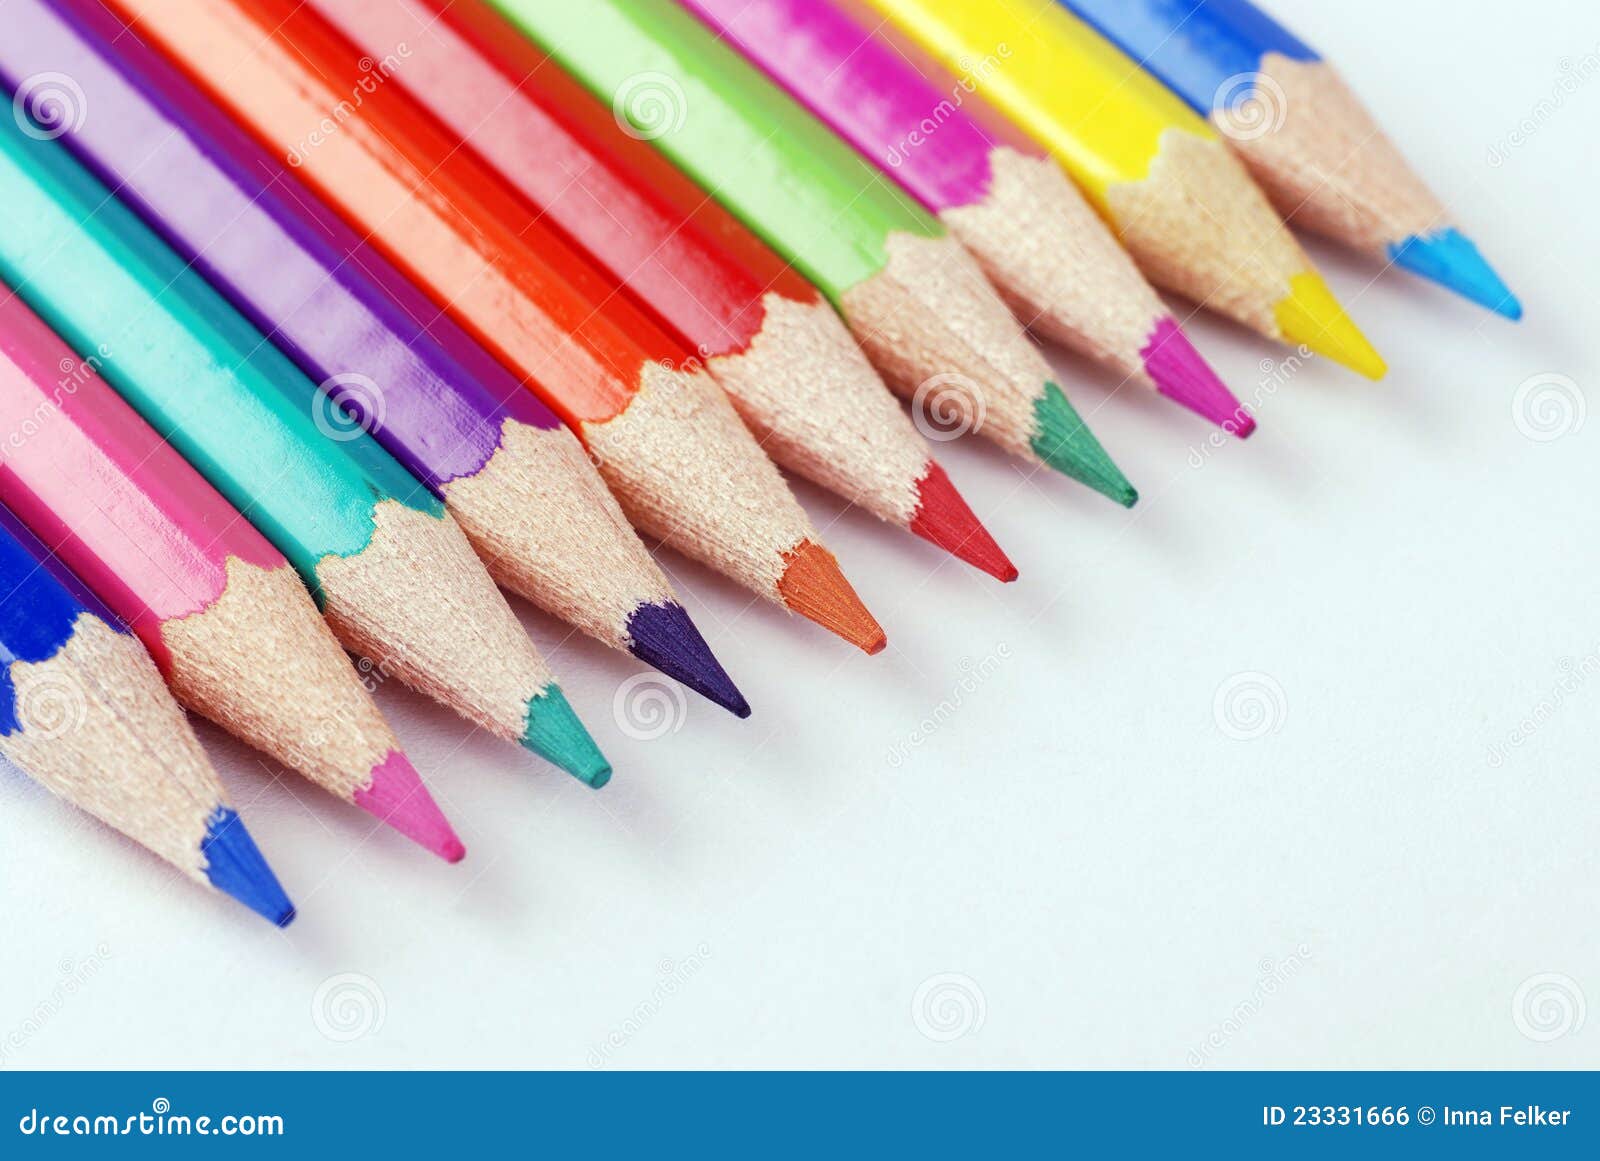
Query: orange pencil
667, 440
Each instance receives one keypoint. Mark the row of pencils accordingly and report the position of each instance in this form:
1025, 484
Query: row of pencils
324, 321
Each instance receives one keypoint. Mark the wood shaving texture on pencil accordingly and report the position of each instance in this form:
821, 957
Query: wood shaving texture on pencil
549, 531
416, 600
123, 751
685, 469
262, 663
818, 408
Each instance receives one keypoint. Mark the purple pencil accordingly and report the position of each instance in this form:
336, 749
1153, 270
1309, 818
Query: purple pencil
1000, 194
517, 481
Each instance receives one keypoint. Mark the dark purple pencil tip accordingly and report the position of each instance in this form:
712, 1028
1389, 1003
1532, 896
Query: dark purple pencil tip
663, 636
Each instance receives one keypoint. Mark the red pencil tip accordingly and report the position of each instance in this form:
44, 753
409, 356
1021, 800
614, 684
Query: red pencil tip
813, 586
944, 519
397, 797
1182, 375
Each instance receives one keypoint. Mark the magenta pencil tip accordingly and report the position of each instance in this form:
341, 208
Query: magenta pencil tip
1183, 376
396, 796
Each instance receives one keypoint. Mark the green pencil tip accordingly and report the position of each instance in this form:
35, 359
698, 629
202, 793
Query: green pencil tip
1062, 440
555, 734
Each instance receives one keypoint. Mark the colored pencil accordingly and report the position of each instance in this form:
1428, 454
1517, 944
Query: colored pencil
393, 573
1035, 236
666, 438
916, 300
220, 610
793, 372
1302, 131
516, 479
84, 713
1182, 204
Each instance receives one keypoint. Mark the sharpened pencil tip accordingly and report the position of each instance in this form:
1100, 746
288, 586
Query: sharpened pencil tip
556, 735
235, 866
1062, 440
396, 796
1311, 317
1449, 258
943, 518
813, 586
1183, 376
662, 635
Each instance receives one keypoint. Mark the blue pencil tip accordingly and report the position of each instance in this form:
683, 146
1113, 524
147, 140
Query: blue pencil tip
1450, 259
235, 867
662, 636
555, 734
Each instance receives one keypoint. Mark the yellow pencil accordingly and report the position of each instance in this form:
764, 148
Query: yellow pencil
1175, 194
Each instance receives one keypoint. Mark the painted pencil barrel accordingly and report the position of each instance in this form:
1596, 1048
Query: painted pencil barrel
396, 578
1037, 239
792, 371
384, 359
518, 288
917, 302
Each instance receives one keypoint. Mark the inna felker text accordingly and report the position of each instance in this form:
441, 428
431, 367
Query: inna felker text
1321, 1116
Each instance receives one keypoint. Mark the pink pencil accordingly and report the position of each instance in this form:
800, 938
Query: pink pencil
1036, 237
222, 612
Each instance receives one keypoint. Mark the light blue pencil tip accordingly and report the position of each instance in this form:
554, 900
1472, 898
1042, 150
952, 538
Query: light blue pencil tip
555, 734
1450, 259
235, 867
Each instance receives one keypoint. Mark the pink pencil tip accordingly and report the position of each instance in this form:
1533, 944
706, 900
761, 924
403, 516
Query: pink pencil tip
1182, 375
397, 797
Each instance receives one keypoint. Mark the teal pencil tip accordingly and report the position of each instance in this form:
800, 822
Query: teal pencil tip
1062, 440
1449, 258
556, 735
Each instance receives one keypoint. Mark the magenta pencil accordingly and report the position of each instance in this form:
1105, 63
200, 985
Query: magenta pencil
1036, 237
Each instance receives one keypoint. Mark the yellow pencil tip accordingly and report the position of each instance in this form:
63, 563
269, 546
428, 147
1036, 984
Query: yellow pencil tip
1310, 316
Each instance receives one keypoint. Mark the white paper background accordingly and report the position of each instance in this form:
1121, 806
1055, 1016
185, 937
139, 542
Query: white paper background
1118, 881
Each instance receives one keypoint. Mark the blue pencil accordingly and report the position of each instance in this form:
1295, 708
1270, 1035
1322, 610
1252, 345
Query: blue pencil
84, 712
1305, 136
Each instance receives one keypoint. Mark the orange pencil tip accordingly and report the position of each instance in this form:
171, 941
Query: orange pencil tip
813, 586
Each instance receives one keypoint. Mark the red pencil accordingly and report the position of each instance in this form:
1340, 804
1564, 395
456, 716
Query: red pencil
767, 335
